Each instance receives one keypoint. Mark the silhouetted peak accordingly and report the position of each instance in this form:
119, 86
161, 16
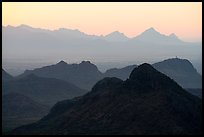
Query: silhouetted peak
151, 31
116, 36
145, 67
143, 70
85, 62
145, 76
177, 64
176, 60
88, 66
62, 63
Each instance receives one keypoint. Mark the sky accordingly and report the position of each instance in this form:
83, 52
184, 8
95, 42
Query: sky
101, 18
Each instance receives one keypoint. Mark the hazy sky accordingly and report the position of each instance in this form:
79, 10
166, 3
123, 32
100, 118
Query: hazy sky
182, 18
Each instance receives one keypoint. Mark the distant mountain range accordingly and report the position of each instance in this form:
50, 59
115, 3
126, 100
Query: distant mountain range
147, 103
152, 36
115, 36
135, 99
26, 41
86, 74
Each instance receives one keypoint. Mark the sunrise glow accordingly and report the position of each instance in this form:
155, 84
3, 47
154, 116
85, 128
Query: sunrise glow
183, 19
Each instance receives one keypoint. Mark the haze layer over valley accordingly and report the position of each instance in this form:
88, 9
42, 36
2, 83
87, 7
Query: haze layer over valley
25, 47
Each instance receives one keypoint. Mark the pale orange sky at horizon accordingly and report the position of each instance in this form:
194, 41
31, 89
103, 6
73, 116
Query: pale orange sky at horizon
101, 18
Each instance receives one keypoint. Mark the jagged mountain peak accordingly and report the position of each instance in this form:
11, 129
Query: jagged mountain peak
144, 68
146, 76
85, 62
150, 35
88, 66
174, 36
153, 36
116, 36
151, 30
61, 63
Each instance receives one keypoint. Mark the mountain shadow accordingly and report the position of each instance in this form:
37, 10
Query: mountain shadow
147, 103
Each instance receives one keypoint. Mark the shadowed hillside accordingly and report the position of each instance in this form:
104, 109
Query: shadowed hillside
148, 102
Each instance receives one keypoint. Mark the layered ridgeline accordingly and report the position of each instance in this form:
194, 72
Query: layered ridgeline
83, 75
18, 110
47, 91
148, 102
121, 73
86, 74
64, 42
181, 70
27, 99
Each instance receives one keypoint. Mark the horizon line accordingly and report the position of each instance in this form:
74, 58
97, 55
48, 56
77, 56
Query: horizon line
92, 34
52, 30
